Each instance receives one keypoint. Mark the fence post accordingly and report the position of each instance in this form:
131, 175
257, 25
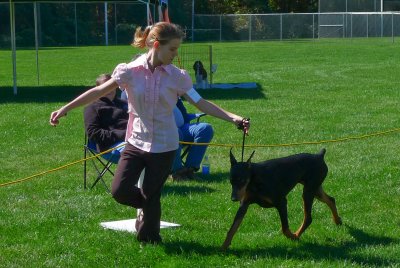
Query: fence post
249, 28
367, 26
313, 26
344, 25
13, 46
115, 24
392, 29
220, 28
106, 22
35, 16
211, 63
76, 26
351, 25
281, 26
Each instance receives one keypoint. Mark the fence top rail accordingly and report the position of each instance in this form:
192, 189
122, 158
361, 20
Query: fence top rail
81, 2
316, 13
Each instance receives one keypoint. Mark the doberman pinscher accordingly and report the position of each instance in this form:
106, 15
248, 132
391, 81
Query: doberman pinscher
267, 184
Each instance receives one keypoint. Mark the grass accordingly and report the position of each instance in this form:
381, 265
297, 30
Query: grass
308, 91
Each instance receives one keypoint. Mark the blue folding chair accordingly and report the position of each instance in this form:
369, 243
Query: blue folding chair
102, 164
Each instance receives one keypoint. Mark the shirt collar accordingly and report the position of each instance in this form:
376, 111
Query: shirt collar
141, 61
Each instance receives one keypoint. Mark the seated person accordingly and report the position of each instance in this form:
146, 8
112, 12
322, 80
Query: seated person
106, 119
189, 132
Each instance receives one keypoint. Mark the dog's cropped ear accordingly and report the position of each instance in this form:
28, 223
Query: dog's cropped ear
233, 160
249, 160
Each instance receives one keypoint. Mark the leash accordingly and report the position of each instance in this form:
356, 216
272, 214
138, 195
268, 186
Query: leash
241, 126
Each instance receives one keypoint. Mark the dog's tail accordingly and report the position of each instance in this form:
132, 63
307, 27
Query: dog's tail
322, 153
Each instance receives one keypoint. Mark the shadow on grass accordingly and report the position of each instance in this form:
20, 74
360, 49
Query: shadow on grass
64, 93
233, 94
184, 190
41, 94
348, 251
214, 177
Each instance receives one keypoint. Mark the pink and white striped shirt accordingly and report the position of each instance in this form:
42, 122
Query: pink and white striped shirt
151, 100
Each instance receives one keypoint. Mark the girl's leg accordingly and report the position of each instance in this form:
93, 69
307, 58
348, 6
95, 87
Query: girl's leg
158, 166
130, 166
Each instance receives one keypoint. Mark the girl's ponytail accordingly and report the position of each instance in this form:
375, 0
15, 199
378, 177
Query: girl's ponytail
140, 37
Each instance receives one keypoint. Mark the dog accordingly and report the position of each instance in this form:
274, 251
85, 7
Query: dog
200, 74
268, 183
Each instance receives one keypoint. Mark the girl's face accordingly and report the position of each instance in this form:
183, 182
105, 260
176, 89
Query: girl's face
167, 52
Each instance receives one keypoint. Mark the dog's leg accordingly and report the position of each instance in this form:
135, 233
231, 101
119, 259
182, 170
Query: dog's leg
308, 199
330, 201
236, 222
282, 210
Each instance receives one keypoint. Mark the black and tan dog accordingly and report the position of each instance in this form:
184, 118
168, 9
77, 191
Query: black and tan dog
267, 184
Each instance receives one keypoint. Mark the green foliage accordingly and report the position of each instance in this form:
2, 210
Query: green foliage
308, 91
295, 6
232, 7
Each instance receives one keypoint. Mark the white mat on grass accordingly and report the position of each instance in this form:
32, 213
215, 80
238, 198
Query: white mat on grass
129, 225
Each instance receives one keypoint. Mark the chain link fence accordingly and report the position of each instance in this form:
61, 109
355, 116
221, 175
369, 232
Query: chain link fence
72, 23
113, 23
252, 27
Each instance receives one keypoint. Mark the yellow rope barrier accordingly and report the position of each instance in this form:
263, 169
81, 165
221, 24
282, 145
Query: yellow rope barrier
59, 168
359, 137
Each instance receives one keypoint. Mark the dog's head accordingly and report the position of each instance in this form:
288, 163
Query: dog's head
240, 177
197, 66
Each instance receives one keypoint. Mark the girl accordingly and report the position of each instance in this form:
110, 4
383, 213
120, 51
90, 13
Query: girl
153, 85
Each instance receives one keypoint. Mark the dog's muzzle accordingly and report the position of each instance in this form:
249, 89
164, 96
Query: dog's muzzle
235, 195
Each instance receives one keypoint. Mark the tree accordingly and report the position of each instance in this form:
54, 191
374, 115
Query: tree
287, 6
231, 6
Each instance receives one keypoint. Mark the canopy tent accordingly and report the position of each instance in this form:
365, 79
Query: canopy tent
35, 4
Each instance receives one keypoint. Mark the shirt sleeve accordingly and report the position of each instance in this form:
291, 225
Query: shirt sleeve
184, 82
122, 75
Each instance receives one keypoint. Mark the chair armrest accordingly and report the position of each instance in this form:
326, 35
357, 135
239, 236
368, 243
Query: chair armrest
196, 116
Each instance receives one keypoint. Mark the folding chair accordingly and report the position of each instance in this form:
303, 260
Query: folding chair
102, 164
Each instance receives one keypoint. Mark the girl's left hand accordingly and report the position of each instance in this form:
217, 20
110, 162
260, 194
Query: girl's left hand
244, 124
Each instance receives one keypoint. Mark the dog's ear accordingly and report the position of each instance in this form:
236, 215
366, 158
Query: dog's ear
249, 160
233, 160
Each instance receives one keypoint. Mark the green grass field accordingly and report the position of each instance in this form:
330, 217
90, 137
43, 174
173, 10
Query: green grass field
308, 91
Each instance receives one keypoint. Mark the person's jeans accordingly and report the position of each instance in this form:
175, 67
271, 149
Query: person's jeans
198, 133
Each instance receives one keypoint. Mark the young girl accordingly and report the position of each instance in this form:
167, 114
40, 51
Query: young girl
153, 86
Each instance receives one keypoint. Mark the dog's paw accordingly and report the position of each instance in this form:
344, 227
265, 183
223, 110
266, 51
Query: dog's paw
290, 235
338, 221
224, 247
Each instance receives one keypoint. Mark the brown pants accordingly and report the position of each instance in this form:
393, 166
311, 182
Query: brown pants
157, 167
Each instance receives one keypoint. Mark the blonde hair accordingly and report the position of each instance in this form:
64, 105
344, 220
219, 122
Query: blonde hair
162, 32
101, 79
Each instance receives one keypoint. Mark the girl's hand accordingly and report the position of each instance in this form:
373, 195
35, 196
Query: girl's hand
57, 115
243, 124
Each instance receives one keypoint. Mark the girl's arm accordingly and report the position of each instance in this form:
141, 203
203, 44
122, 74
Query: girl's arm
85, 98
212, 109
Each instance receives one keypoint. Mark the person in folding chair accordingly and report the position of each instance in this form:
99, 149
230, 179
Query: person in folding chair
105, 125
153, 85
199, 132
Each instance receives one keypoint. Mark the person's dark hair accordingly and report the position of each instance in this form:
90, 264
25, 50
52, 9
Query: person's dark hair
101, 79
162, 32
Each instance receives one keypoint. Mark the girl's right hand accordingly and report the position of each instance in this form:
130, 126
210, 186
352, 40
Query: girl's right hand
55, 116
